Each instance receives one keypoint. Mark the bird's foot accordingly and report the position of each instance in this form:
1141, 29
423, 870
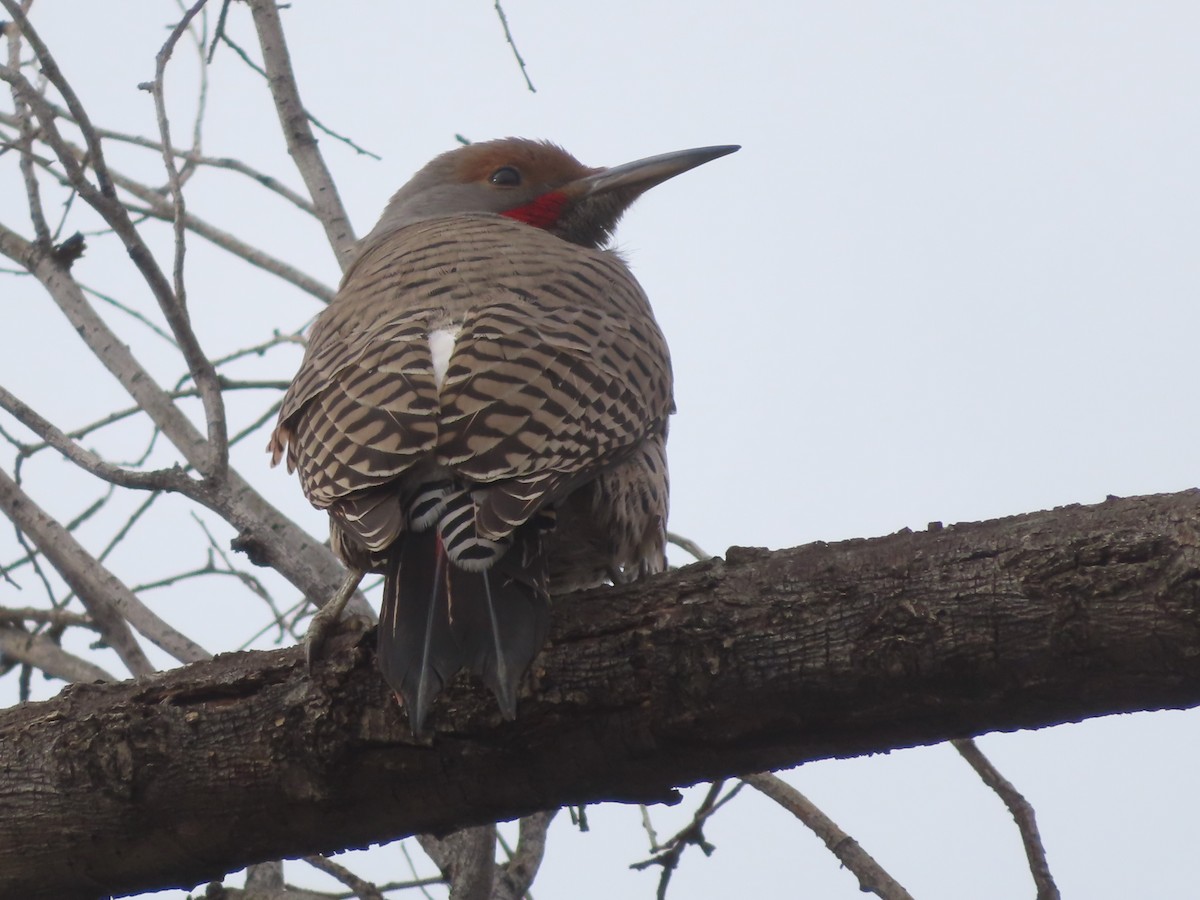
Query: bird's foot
325, 621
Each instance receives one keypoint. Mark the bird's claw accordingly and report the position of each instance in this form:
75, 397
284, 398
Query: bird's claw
325, 621
319, 629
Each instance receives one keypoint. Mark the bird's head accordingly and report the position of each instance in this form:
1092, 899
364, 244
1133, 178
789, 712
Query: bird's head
535, 182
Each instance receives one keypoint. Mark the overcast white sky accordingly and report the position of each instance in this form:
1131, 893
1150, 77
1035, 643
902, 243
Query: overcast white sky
952, 275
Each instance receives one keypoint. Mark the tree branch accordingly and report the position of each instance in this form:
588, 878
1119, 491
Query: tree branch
301, 143
158, 207
112, 606
173, 479
203, 373
757, 662
102, 197
42, 653
1022, 813
269, 537
872, 879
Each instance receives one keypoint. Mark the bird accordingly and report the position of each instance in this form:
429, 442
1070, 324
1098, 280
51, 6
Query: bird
482, 410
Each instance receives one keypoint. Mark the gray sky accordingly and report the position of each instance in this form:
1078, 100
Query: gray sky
951, 276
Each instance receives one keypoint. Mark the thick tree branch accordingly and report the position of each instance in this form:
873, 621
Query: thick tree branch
756, 662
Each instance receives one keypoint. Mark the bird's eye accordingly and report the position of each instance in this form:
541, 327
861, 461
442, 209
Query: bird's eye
506, 176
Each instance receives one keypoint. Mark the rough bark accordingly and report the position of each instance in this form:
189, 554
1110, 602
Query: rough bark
761, 660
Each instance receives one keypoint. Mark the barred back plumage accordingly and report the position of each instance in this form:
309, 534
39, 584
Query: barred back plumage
482, 411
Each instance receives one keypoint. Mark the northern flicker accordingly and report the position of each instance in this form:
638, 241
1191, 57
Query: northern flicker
482, 409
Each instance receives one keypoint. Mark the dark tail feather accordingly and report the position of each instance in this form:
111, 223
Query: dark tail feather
437, 618
418, 652
500, 622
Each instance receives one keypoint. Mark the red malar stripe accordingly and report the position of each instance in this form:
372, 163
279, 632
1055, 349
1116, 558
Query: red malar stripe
541, 212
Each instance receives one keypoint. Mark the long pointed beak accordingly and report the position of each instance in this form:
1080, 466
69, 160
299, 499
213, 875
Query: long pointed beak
644, 174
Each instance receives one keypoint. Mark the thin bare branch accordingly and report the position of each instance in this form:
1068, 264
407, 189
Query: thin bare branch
317, 123
419, 882
192, 157
360, 887
173, 479
122, 414
43, 653
198, 42
134, 314
112, 606
1022, 812
103, 199
513, 44
100, 591
668, 855
301, 143
25, 125
157, 207
872, 879
203, 373
220, 32
648, 827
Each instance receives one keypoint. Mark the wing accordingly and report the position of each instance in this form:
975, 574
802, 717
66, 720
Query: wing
562, 373
363, 408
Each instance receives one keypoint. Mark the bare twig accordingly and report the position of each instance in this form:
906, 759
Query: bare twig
158, 207
198, 41
175, 307
871, 876
648, 826
417, 880
317, 123
29, 450
134, 314
220, 32
668, 855
1022, 812
513, 44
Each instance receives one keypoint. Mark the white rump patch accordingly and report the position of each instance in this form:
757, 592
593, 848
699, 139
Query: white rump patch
441, 345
